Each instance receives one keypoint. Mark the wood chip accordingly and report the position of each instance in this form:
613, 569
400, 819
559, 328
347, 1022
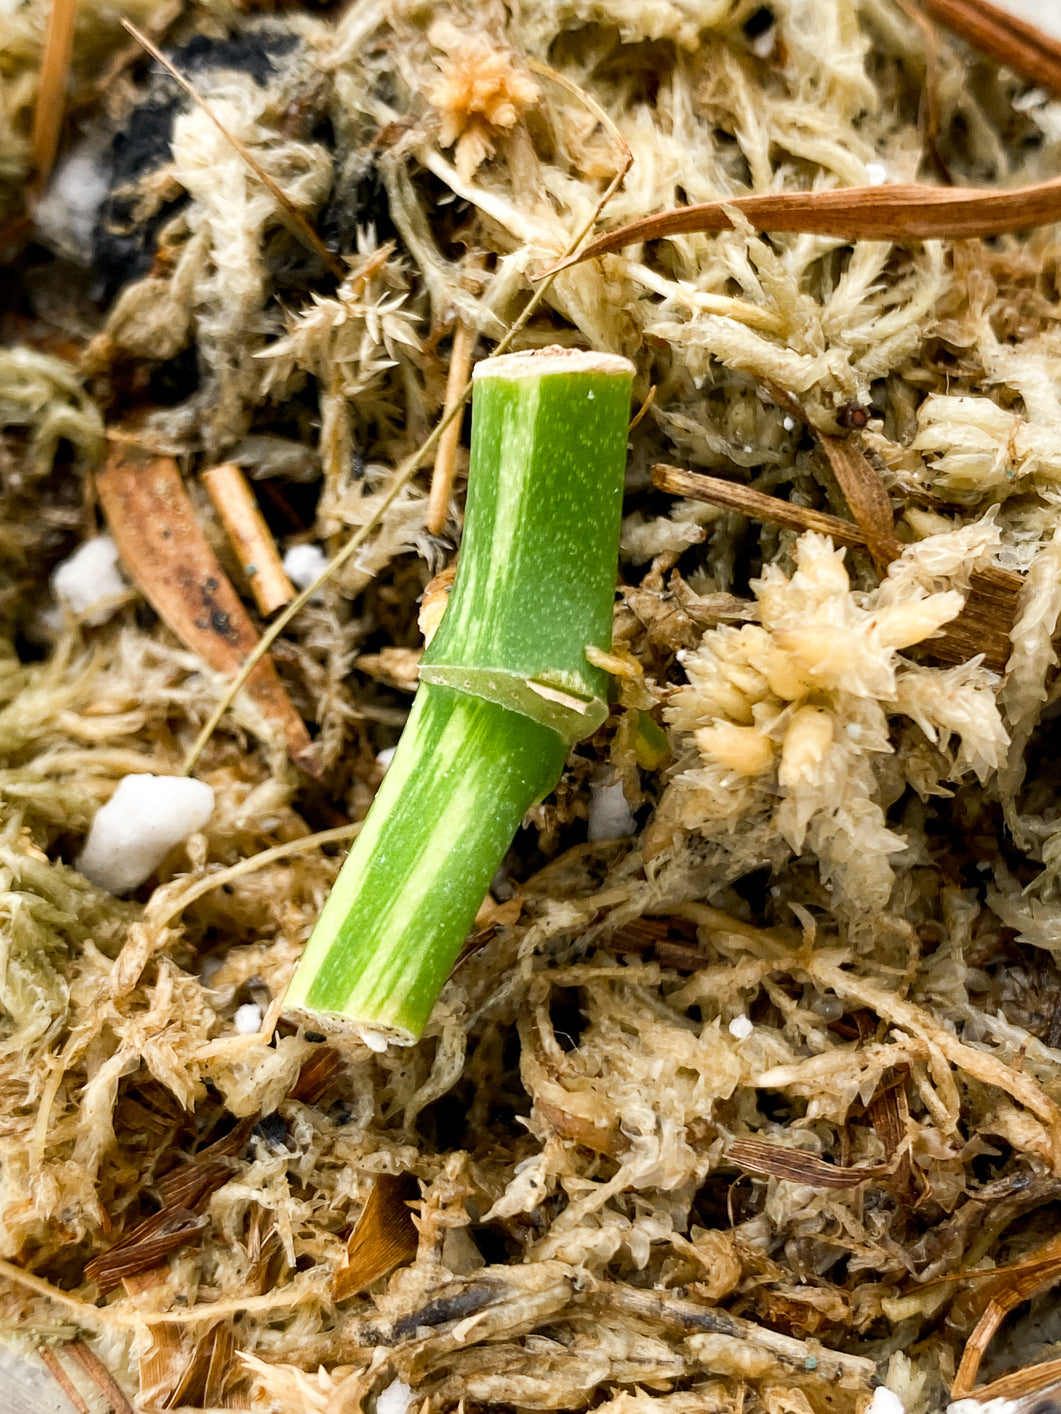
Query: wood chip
384, 1237
249, 535
165, 551
864, 492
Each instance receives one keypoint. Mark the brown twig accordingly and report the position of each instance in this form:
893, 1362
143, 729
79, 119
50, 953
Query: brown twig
984, 623
51, 93
288, 212
62, 1379
1009, 41
460, 363
245, 527
732, 496
164, 549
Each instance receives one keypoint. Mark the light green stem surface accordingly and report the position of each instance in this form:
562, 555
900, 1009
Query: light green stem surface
505, 688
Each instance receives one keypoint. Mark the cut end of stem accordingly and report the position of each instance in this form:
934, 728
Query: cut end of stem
556, 358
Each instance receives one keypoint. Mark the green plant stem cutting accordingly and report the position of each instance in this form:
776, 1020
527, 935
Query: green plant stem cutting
505, 690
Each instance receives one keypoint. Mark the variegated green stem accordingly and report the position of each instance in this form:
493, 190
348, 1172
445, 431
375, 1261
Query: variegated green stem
505, 689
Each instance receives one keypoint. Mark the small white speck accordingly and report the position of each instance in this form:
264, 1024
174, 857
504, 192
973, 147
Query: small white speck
742, 1027
698, 383
763, 44
788, 422
303, 563
876, 176
885, 1402
591, 395
248, 1019
748, 447
374, 1040
386, 756
854, 730
1025, 102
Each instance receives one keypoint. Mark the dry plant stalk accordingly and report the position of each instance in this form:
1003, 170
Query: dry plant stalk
756, 505
460, 368
51, 95
245, 527
166, 552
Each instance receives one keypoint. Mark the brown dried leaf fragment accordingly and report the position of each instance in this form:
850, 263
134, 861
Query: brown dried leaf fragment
164, 549
895, 212
383, 1238
797, 1166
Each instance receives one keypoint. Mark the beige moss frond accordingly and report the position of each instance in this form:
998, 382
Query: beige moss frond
481, 93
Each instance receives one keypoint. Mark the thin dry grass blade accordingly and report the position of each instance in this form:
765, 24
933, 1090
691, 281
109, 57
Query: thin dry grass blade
929, 114
384, 1237
795, 1166
62, 1379
164, 549
51, 92
901, 212
1001, 36
288, 212
104, 1381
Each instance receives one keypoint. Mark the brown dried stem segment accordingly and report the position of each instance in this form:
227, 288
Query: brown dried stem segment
460, 363
55, 68
733, 496
249, 535
165, 551
1030, 51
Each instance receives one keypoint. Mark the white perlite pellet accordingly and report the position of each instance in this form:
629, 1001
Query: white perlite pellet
89, 581
143, 820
